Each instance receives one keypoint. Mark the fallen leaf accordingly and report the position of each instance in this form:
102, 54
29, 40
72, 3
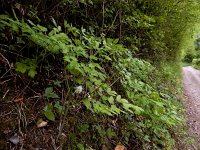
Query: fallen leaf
19, 100
14, 139
114, 122
42, 124
120, 147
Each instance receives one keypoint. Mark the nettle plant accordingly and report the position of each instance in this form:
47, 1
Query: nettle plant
112, 80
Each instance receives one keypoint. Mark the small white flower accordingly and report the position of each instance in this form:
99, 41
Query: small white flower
78, 89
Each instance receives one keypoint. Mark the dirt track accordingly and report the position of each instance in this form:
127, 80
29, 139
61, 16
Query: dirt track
191, 82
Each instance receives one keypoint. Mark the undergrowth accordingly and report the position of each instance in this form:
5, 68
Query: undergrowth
101, 95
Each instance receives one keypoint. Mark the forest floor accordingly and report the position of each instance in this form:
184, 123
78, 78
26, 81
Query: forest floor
191, 83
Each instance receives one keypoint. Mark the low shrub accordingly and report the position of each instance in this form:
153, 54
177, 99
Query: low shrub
108, 90
196, 63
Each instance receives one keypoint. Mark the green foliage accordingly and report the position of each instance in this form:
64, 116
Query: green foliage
50, 109
196, 63
28, 66
188, 58
89, 59
49, 93
107, 93
48, 112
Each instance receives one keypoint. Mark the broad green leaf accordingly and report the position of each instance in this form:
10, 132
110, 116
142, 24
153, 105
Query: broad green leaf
49, 115
48, 112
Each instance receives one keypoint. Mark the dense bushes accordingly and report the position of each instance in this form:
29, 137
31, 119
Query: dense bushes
127, 92
152, 29
85, 59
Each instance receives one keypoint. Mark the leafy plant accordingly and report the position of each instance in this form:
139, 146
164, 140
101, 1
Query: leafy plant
48, 112
49, 93
27, 65
196, 63
103, 79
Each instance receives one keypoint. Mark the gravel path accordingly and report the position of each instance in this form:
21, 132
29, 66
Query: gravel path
191, 82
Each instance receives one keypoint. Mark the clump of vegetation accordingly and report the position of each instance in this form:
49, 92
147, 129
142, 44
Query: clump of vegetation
95, 78
188, 58
196, 63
